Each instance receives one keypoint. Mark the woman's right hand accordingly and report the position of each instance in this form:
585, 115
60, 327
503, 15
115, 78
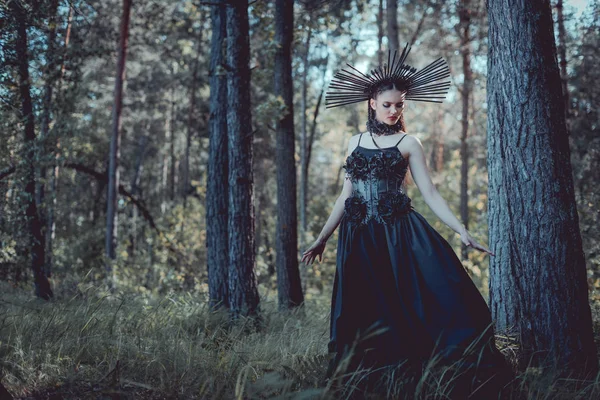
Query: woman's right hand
313, 251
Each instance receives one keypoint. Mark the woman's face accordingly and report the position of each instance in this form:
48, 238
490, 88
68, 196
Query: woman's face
388, 106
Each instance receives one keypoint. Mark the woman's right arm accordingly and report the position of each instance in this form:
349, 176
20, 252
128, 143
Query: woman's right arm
338, 211
334, 219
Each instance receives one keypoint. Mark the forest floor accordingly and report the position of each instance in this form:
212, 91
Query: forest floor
96, 345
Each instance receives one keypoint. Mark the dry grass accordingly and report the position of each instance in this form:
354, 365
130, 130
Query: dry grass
97, 345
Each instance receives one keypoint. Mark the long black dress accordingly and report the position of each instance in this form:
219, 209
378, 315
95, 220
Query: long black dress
395, 273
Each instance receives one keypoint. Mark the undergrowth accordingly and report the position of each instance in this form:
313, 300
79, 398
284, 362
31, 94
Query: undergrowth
100, 345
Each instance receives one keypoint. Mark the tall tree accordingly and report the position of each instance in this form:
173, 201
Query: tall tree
115, 141
172, 155
562, 53
464, 13
185, 178
51, 202
380, 33
303, 144
50, 79
216, 202
538, 276
289, 287
392, 24
243, 293
35, 236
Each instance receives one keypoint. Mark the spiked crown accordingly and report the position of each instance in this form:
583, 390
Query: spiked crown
354, 87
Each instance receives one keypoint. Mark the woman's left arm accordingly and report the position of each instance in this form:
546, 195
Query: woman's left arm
420, 174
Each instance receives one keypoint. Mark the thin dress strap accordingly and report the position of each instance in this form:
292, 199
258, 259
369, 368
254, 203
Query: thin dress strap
405, 135
360, 137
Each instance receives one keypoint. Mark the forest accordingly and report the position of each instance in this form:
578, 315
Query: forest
165, 164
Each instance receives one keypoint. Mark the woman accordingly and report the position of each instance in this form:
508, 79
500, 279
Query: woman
400, 292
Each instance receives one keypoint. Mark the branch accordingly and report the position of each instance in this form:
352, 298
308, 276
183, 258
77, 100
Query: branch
7, 171
102, 177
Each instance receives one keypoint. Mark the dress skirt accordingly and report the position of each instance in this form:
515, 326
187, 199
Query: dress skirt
401, 294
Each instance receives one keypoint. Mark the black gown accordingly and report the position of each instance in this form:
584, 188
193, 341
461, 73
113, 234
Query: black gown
396, 274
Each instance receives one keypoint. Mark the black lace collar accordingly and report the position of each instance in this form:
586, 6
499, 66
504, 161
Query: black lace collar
379, 128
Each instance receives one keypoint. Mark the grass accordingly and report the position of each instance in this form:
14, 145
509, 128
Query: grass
96, 345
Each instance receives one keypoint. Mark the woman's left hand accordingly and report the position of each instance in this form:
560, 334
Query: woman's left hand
468, 240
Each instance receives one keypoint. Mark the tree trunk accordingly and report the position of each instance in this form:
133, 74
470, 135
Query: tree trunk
243, 294
303, 143
562, 55
135, 184
216, 201
465, 50
380, 33
538, 276
34, 225
289, 287
311, 138
437, 143
115, 142
50, 78
172, 157
185, 179
392, 25
55, 143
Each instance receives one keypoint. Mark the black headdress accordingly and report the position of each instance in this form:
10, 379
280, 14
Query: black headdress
419, 85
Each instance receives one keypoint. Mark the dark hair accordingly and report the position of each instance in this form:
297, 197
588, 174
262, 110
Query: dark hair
381, 127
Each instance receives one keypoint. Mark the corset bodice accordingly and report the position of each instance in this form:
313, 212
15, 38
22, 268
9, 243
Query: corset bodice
377, 176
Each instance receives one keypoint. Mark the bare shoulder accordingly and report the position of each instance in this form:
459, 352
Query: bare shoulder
412, 144
352, 143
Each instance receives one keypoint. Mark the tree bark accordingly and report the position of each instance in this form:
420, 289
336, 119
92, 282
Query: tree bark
185, 184
562, 55
380, 33
55, 145
289, 286
465, 50
243, 293
216, 201
50, 78
437, 146
538, 276
311, 138
392, 25
135, 184
34, 225
172, 156
303, 143
115, 142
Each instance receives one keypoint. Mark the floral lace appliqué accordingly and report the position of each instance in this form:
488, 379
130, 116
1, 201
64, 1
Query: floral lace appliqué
357, 166
355, 208
369, 174
381, 165
391, 205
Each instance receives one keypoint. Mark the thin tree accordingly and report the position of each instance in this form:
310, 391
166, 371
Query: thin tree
216, 201
243, 293
464, 13
34, 225
191, 123
380, 33
289, 286
172, 139
115, 142
538, 277
50, 78
392, 24
303, 145
51, 202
